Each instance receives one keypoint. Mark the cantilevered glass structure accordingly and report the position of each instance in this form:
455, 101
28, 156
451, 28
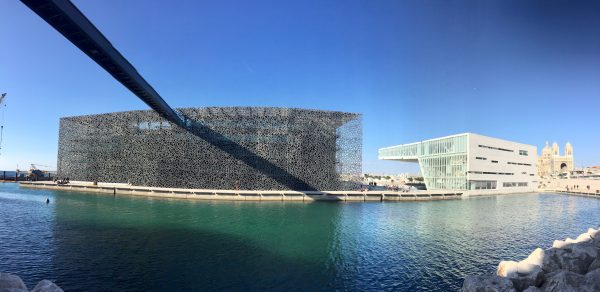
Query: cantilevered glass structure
443, 161
470, 162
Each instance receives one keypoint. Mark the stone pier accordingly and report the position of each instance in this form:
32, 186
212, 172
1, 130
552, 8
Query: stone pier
247, 195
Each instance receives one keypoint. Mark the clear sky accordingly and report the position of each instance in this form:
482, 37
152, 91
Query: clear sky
527, 71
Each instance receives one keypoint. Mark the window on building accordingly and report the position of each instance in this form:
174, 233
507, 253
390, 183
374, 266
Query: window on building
481, 158
490, 172
495, 148
514, 184
482, 184
523, 152
518, 163
494, 161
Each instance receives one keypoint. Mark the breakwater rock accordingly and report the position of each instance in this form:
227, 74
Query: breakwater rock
13, 283
569, 265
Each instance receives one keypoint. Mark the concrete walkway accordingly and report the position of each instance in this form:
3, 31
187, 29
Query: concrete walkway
245, 195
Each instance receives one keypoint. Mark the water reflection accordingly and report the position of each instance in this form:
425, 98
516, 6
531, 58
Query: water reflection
100, 242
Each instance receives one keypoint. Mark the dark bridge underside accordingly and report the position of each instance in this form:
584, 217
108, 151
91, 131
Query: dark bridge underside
71, 23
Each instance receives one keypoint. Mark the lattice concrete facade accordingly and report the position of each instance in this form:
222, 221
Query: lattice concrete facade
320, 149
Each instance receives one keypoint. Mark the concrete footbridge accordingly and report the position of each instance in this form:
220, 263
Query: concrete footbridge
68, 20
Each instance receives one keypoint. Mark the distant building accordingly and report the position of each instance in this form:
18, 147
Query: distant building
552, 163
391, 180
593, 171
470, 162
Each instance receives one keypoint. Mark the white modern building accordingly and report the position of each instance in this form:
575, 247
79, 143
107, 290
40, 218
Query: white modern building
471, 162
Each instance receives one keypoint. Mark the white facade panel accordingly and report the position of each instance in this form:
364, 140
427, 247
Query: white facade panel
511, 165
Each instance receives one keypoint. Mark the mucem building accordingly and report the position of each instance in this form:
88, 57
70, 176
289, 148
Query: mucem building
251, 148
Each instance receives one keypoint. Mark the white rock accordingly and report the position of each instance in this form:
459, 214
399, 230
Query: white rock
524, 267
584, 237
593, 232
560, 244
570, 240
536, 257
507, 269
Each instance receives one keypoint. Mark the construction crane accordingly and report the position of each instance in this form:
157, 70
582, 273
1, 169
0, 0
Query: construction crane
35, 173
2, 104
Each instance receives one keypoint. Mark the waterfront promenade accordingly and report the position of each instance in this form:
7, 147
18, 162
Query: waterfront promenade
246, 195
575, 186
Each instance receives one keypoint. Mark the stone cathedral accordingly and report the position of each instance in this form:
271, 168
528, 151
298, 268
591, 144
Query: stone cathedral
552, 163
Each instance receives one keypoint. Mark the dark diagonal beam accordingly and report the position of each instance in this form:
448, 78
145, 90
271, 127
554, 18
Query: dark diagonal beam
72, 24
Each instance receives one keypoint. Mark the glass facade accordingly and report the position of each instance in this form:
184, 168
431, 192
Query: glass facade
407, 151
482, 184
443, 161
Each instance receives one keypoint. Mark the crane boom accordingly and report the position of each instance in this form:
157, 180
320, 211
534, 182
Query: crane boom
2, 124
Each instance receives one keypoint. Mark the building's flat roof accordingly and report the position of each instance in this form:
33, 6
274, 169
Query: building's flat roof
414, 143
240, 109
455, 135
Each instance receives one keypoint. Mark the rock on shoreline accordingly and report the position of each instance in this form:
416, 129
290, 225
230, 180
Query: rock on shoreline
569, 265
13, 283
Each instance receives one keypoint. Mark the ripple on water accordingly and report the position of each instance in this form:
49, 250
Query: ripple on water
130, 243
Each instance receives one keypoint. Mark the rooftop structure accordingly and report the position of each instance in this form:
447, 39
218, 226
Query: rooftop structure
470, 162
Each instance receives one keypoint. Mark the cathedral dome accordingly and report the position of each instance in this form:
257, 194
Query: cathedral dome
546, 151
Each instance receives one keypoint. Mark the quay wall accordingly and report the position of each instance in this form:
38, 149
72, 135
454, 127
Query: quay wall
493, 192
246, 195
573, 185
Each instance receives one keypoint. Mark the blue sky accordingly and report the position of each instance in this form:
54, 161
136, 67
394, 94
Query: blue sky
527, 71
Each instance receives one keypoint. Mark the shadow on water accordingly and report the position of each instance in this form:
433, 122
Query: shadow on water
96, 258
125, 243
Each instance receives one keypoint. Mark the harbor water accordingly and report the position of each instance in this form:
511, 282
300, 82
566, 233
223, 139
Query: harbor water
102, 242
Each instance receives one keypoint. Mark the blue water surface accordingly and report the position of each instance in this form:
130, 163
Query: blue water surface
98, 242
